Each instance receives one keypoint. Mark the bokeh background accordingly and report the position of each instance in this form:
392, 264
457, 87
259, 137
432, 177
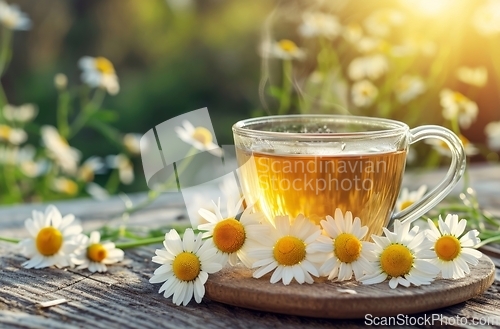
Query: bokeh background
176, 56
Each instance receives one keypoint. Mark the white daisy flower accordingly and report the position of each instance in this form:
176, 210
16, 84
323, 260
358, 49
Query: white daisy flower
457, 106
99, 72
347, 252
408, 198
473, 76
200, 137
363, 93
22, 114
95, 255
380, 22
132, 143
185, 265
370, 67
317, 24
289, 250
65, 186
486, 18
52, 241
91, 166
443, 149
408, 88
403, 257
124, 166
492, 131
453, 249
65, 157
233, 238
13, 18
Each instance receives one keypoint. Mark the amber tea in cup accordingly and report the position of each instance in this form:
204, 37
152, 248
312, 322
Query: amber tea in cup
313, 164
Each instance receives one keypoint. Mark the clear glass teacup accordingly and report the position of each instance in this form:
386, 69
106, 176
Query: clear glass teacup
313, 164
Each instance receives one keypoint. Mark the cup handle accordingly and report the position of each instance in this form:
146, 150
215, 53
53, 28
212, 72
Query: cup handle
456, 171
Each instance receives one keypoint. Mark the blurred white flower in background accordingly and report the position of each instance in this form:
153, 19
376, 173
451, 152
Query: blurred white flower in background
22, 114
457, 106
492, 131
363, 93
380, 22
132, 143
486, 18
29, 166
371, 67
96, 191
124, 166
180, 5
473, 76
91, 166
15, 136
352, 32
99, 72
65, 157
409, 87
443, 148
65, 186
60, 81
318, 24
13, 18
283, 49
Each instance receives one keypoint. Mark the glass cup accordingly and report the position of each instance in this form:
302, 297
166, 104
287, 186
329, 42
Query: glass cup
313, 164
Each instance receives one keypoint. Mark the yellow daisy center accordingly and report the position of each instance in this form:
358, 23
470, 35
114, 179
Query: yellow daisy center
202, 135
186, 266
96, 252
447, 247
104, 66
396, 260
459, 97
229, 235
347, 248
48, 241
289, 251
406, 204
5, 131
287, 45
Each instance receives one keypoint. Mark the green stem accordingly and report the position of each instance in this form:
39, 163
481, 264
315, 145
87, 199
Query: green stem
287, 87
11, 240
93, 106
489, 240
11, 183
113, 182
139, 243
63, 103
5, 51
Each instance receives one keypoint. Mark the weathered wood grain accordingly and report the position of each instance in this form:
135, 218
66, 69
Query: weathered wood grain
123, 297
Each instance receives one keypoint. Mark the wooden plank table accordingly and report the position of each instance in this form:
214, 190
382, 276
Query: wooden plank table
123, 297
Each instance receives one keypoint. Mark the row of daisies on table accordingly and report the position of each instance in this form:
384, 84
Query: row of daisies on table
290, 249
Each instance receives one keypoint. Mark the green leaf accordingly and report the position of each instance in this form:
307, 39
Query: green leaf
275, 91
105, 116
